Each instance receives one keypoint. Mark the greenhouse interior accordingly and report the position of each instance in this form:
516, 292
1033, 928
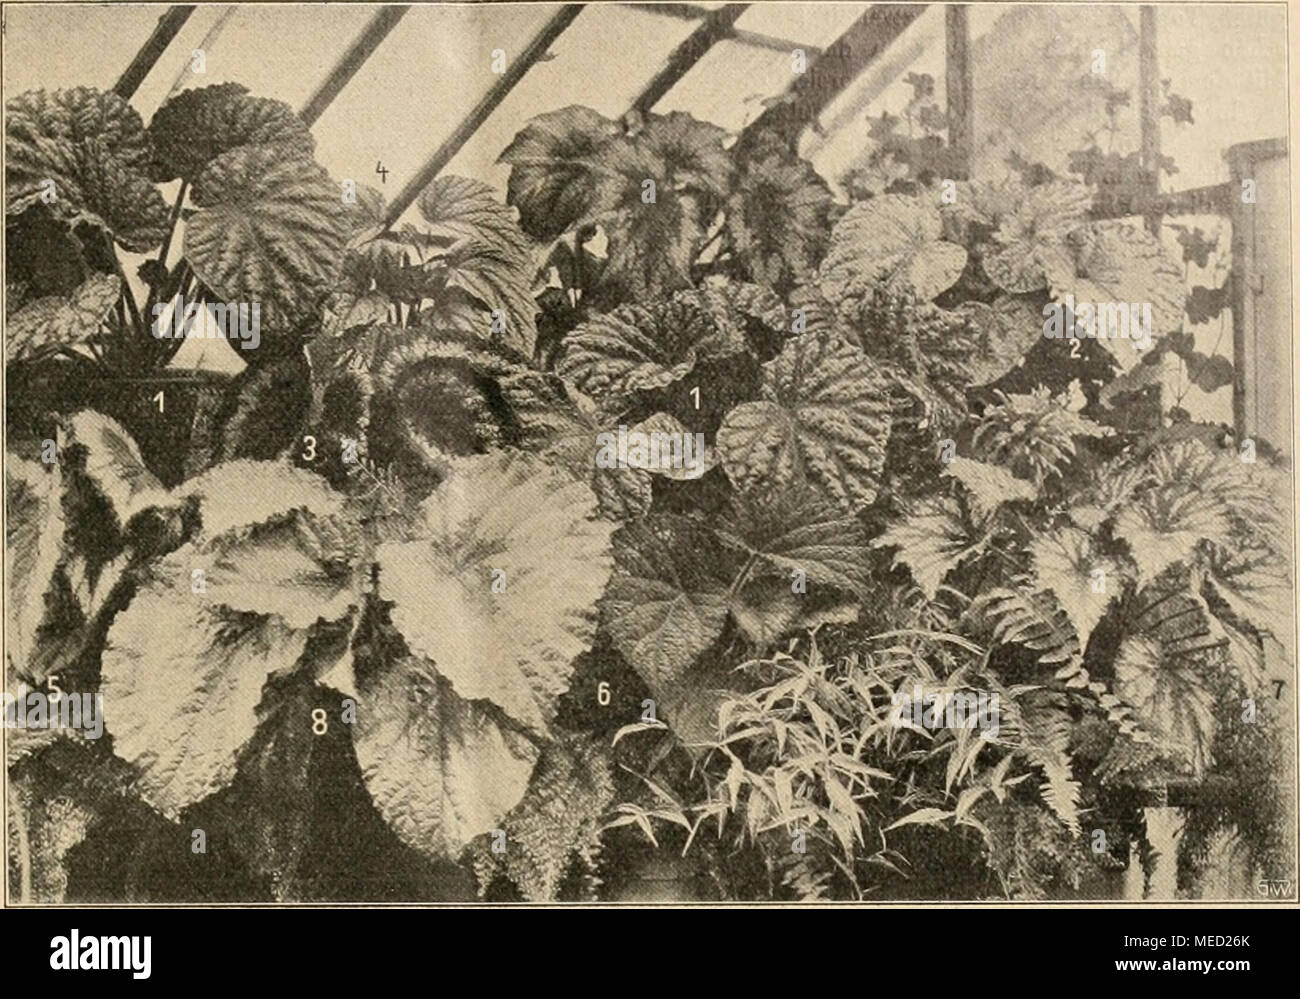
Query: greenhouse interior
625, 452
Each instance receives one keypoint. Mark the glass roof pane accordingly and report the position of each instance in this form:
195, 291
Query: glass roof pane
33, 57
1236, 101
729, 85
280, 51
418, 86
581, 72
816, 24
1034, 61
832, 146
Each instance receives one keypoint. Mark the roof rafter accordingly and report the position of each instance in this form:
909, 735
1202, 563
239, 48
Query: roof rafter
841, 63
168, 26
371, 37
716, 26
755, 39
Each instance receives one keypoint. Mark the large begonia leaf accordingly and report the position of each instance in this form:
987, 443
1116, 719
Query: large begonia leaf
668, 599
197, 125
635, 348
1169, 695
180, 698
56, 322
1116, 265
490, 257
34, 528
499, 585
271, 228
931, 541
823, 418
84, 154
554, 172
894, 238
441, 769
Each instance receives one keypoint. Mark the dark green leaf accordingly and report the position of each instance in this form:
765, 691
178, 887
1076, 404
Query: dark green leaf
92, 146
197, 125
49, 324
555, 161
272, 228
668, 599
823, 418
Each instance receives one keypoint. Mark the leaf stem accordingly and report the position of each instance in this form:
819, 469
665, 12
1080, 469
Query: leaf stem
127, 297
742, 577
172, 225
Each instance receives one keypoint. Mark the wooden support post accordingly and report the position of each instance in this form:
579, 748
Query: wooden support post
441, 156
169, 25
1246, 281
716, 26
384, 21
1243, 301
958, 74
1164, 826
1149, 106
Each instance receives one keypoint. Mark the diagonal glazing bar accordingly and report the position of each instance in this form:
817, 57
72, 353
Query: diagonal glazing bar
839, 65
717, 25
169, 24
755, 39
681, 11
452, 144
371, 37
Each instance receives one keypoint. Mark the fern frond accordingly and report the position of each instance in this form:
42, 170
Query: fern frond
1119, 714
803, 877
1029, 848
1062, 796
1038, 622
1045, 741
